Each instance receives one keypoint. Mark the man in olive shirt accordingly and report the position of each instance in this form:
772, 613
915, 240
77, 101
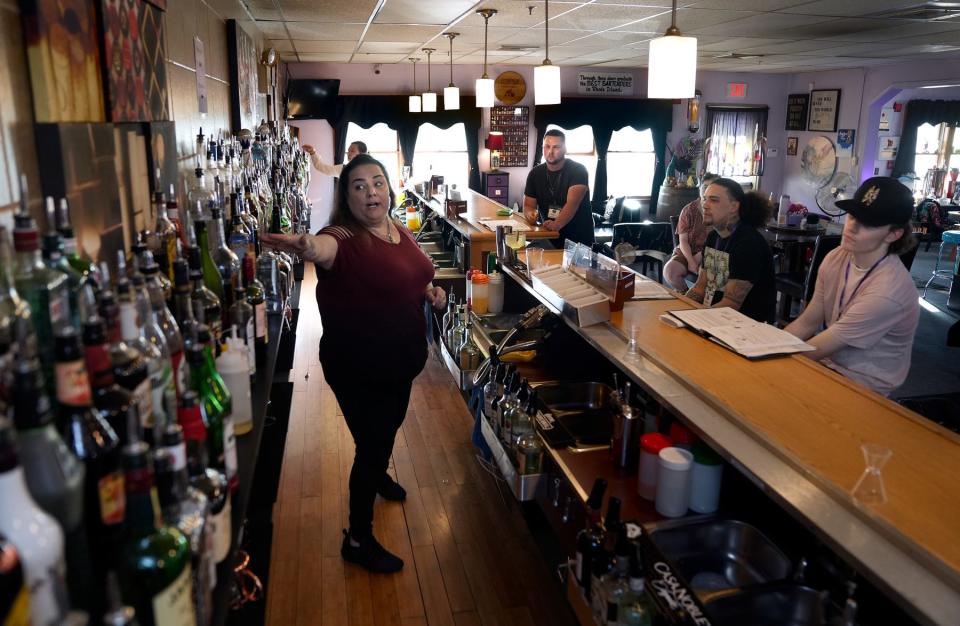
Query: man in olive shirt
557, 190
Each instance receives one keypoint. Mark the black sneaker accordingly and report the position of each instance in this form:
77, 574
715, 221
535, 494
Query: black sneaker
370, 555
390, 489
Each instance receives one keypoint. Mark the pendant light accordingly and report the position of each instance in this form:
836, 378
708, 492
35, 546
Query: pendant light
414, 105
484, 84
546, 77
451, 94
672, 68
429, 97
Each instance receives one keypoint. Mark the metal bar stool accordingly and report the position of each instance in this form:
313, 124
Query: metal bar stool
948, 237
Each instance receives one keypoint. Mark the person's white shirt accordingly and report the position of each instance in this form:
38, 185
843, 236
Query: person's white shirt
325, 168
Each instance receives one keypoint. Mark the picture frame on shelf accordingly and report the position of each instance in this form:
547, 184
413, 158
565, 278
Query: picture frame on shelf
824, 110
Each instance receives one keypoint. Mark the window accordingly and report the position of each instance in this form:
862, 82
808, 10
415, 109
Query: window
382, 144
630, 163
442, 152
735, 134
937, 147
580, 148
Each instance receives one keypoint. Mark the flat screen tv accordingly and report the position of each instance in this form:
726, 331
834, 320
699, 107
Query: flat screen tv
312, 98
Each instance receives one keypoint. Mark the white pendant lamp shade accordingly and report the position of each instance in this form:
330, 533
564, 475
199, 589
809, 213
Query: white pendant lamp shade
451, 93
484, 85
672, 73
546, 84
672, 69
451, 98
429, 102
414, 105
484, 88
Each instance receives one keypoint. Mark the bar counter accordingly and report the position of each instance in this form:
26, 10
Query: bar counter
481, 239
794, 428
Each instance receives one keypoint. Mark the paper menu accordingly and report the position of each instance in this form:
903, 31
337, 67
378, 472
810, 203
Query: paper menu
739, 333
515, 224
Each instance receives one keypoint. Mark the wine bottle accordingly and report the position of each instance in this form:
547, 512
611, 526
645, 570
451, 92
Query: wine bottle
53, 258
163, 318
589, 540
256, 298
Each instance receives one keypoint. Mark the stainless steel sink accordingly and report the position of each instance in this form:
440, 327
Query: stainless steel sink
431, 247
778, 605
576, 396
720, 554
581, 413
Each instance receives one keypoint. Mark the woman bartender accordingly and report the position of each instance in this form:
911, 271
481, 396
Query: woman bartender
372, 280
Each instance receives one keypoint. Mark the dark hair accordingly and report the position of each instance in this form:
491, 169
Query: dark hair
708, 178
754, 208
906, 242
361, 147
555, 132
341, 208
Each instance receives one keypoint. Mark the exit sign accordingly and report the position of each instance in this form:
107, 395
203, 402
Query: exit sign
736, 90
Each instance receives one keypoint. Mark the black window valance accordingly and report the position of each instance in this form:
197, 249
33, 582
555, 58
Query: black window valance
921, 112
607, 115
365, 111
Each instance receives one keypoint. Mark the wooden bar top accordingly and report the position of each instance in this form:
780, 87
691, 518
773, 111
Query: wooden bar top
481, 207
817, 420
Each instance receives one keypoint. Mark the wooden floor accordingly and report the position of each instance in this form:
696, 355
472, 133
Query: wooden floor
470, 559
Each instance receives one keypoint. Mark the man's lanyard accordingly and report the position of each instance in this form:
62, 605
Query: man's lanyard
846, 276
726, 241
554, 189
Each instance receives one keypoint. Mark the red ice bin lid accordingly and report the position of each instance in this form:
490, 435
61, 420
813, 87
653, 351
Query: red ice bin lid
682, 435
654, 443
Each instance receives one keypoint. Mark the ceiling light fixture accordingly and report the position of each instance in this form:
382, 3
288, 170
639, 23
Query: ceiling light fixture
429, 96
672, 69
546, 77
451, 94
484, 84
414, 105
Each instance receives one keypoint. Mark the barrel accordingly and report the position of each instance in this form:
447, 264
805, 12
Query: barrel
672, 199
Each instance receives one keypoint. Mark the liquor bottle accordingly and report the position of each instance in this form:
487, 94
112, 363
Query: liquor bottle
509, 409
210, 482
490, 389
635, 607
53, 258
92, 440
214, 411
44, 289
448, 317
522, 423
37, 536
185, 508
163, 240
157, 292
15, 322
227, 263
589, 540
508, 372
154, 334
242, 321
14, 594
256, 298
603, 559
251, 212
107, 305
212, 278
183, 312
55, 477
154, 559
240, 239
207, 307
616, 584
200, 197
173, 214
467, 354
77, 260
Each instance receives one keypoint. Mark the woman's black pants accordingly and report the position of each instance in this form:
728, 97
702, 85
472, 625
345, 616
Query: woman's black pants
374, 413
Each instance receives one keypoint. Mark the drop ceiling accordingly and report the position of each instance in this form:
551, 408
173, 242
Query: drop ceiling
775, 35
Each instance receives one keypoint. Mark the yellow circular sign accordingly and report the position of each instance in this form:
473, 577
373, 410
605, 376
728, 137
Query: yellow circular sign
510, 87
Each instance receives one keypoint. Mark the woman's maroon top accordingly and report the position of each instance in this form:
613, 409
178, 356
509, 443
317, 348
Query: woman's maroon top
371, 304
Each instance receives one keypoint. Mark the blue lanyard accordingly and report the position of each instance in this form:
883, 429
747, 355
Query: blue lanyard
846, 275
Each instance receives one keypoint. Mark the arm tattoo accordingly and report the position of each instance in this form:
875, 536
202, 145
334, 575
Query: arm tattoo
699, 290
735, 292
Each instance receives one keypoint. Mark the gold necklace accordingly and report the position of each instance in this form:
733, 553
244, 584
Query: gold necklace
389, 236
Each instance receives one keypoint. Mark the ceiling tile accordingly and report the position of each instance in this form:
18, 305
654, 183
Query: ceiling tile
266, 14
382, 58
789, 47
949, 36
746, 5
733, 44
273, 30
391, 47
895, 29
326, 57
415, 34
758, 25
343, 47
281, 45
354, 11
312, 31
474, 34
601, 17
420, 12
848, 8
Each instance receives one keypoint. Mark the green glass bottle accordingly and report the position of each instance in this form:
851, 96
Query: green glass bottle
77, 260
211, 275
54, 258
154, 566
202, 383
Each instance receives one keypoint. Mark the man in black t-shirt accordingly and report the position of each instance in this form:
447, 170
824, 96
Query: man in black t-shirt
737, 267
558, 191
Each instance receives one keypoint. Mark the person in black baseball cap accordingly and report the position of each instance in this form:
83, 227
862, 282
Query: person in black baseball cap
864, 295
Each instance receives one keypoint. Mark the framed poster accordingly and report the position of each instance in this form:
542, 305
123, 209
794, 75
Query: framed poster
797, 104
792, 143
242, 55
888, 148
824, 110
64, 60
845, 142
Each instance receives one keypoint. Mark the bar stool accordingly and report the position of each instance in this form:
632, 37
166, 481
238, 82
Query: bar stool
948, 237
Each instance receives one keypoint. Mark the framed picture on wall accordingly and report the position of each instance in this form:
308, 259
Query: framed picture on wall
797, 105
792, 146
824, 110
242, 55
